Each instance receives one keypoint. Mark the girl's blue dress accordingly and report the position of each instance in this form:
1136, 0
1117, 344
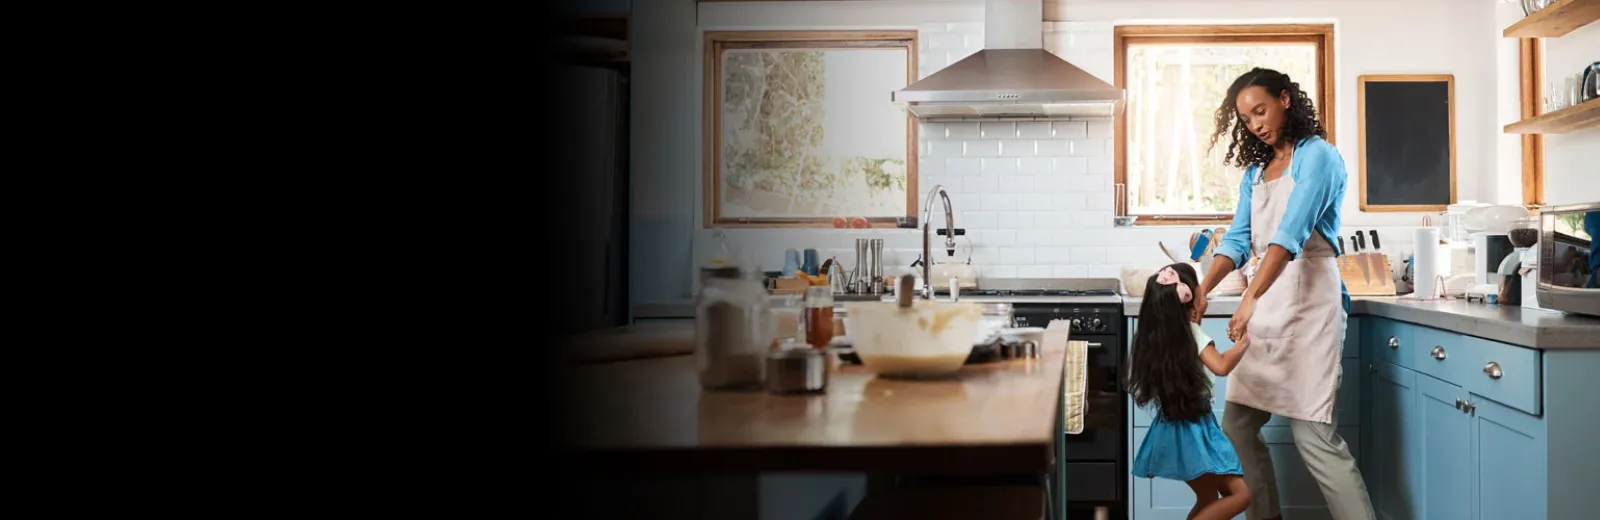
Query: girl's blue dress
1183, 450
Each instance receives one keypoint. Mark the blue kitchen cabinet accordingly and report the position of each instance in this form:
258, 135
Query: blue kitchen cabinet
1446, 449
1463, 427
1392, 470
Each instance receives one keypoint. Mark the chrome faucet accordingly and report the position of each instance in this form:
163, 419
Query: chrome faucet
949, 237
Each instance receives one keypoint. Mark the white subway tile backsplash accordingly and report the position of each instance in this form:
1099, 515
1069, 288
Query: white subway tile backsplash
1001, 166
985, 255
1034, 130
961, 131
1069, 166
981, 148
1053, 148
997, 202
1111, 147
1089, 183
1089, 255
946, 42
1101, 165
1070, 271
946, 149
1098, 129
999, 271
1101, 202
1067, 201
1016, 255
1105, 271
1018, 147
1033, 166
931, 166
930, 131
1015, 219
1068, 129
1087, 147
1016, 184
1000, 237
1091, 219
963, 166
1034, 237
1051, 183
1032, 202
978, 185
999, 130
976, 219
1053, 219
1034, 271
1052, 255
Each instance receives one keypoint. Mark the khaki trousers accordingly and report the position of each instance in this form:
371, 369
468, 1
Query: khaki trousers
1325, 453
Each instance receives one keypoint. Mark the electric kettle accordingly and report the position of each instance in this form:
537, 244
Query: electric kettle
1591, 82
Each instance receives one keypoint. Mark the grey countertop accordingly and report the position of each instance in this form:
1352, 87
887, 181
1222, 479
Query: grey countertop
1533, 328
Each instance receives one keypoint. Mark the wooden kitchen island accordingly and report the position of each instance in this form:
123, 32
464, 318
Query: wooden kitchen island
648, 422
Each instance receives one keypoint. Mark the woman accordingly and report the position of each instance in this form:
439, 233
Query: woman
1295, 305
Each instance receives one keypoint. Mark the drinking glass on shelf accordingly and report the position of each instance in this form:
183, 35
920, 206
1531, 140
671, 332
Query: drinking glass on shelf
1572, 94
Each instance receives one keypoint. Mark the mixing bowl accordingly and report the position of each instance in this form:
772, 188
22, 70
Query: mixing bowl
927, 339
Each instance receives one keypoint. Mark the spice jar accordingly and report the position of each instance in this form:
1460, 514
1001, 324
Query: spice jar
819, 316
733, 329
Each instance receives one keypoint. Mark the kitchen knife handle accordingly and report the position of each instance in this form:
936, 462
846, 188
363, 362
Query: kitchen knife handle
1375, 244
1341, 244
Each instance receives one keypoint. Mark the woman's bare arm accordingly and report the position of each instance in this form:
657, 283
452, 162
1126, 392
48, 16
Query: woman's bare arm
1222, 364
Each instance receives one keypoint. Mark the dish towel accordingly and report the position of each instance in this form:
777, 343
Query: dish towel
1059, 332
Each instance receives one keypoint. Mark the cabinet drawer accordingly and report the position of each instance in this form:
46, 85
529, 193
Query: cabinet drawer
1441, 354
1388, 341
1508, 374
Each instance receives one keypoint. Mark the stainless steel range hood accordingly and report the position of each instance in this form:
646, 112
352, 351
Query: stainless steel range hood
1013, 77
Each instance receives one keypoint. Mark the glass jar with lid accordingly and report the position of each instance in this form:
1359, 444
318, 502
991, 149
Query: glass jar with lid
733, 329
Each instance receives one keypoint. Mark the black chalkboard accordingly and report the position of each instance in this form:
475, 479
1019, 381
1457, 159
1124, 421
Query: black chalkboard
1408, 145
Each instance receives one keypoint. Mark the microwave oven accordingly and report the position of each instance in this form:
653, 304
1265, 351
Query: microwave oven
1569, 262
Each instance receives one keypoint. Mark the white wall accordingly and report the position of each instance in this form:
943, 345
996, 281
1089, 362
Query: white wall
1014, 231
1572, 161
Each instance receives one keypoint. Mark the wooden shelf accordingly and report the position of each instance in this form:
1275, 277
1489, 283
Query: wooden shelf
1570, 119
1556, 19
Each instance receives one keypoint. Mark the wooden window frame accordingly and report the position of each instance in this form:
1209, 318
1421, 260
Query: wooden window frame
1125, 35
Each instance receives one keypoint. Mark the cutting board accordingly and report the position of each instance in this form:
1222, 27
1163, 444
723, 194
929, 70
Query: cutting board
1381, 282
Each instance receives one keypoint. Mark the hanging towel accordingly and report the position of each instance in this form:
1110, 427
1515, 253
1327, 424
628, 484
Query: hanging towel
1077, 375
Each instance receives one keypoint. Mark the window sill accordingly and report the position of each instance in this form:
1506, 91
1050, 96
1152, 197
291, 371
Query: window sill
1179, 221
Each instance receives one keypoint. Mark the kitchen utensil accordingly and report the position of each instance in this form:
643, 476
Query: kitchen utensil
1133, 280
1494, 219
1591, 82
875, 265
797, 370
1380, 261
923, 339
1533, 6
1361, 259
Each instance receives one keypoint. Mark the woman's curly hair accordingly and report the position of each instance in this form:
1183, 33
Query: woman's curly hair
1244, 148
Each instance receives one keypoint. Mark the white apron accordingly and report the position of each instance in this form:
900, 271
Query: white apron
1297, 331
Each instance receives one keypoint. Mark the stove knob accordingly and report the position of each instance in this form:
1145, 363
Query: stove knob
1096, 325
1077, 325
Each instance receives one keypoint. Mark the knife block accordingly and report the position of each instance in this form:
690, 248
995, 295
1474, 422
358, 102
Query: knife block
1356, 281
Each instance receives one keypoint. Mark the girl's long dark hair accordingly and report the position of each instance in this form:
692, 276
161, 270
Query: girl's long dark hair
1165, 368
1299, 121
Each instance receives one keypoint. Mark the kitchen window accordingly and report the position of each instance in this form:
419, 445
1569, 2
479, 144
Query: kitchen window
1175, 76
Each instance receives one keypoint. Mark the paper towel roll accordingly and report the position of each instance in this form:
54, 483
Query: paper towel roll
1426, 265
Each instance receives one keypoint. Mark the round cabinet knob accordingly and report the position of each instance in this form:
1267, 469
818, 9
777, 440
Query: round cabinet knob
1394, 342
1492, 370
1438, 353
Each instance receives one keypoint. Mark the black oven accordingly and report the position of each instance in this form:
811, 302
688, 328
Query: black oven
1096, 459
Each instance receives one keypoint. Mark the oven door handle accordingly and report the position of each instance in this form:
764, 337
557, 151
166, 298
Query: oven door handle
1096, 345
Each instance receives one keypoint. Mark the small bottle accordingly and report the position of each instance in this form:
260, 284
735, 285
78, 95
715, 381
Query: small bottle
819, 316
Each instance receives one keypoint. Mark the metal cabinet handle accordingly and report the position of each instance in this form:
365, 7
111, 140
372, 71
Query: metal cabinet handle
1438, 352
1460, 405
1468, 407
1394, 342
1492, 370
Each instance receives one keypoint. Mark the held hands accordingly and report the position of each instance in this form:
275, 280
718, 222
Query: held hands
1241, 317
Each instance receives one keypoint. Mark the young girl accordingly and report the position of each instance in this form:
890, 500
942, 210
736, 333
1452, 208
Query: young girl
1184, 442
